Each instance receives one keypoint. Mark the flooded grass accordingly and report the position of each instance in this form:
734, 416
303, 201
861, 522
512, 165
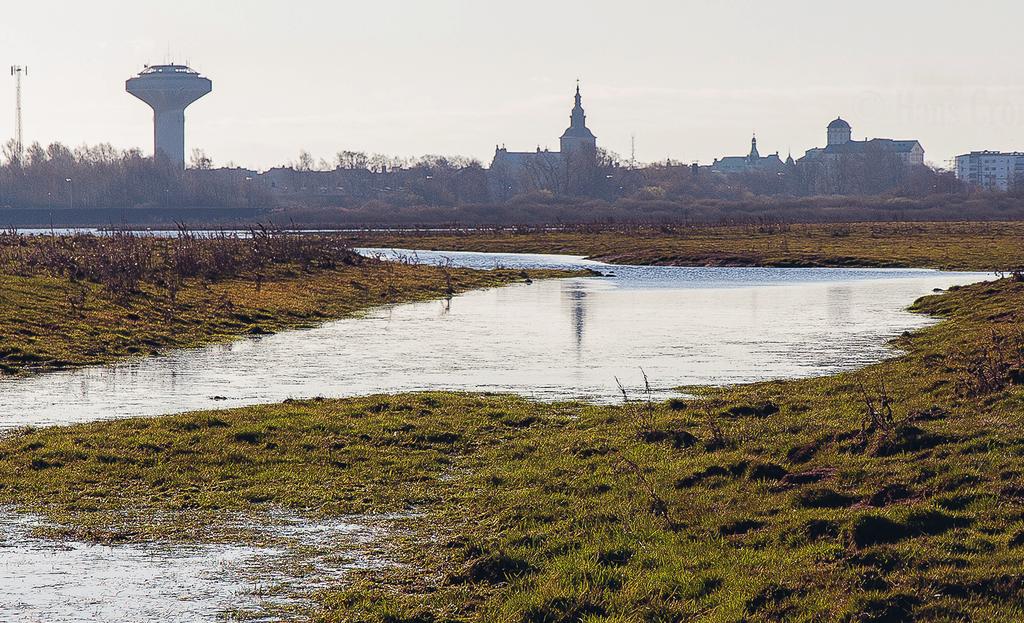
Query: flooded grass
891, 493
247, 568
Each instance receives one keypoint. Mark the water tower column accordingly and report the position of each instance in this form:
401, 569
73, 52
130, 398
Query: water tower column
169, 134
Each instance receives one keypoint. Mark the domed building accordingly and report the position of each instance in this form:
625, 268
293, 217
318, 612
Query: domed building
839, 132
840, 145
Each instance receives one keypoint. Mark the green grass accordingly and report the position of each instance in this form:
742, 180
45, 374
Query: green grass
955, 246
765, 502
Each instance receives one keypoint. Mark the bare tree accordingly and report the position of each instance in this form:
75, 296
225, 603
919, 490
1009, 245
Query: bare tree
200, 161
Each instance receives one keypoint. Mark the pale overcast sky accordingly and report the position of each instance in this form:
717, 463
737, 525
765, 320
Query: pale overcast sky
692, 79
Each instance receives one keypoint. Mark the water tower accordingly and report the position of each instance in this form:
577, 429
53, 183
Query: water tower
169, 89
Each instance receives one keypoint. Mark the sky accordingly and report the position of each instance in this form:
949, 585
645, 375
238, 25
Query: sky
691, 80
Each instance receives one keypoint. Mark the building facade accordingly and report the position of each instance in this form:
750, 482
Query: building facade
514, 172
991, 170
840, 145
753, 162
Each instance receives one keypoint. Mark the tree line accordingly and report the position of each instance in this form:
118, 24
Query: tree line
356, 177
57, 176
102, 176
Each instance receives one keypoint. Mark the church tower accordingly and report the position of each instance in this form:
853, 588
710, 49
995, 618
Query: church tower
754, 155
578, 139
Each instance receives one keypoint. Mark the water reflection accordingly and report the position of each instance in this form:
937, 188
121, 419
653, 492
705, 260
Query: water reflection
553, 339
574, 298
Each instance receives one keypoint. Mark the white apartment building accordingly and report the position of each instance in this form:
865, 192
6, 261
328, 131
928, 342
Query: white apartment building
991, 170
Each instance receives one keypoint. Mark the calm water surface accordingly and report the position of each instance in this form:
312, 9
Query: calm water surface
553, 339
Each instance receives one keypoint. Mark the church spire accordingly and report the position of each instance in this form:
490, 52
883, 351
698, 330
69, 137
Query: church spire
578, 137
754, 155
578, 119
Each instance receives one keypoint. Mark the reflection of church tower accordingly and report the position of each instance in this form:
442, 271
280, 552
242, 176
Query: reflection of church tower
576, 296
578, 138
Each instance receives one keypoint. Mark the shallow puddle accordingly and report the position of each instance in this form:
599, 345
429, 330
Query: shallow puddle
58, 581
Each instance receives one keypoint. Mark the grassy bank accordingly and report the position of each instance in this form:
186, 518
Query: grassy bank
80, 300
891, 494
954, 246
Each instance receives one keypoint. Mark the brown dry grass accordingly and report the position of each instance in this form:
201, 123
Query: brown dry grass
953, 246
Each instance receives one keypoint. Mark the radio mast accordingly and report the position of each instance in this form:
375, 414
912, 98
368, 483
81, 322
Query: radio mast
19, 139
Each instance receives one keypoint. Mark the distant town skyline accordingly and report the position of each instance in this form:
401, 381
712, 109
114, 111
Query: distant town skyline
691, 80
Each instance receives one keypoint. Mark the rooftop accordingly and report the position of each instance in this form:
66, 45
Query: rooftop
578, 132
880, 144
170, 70
992, 153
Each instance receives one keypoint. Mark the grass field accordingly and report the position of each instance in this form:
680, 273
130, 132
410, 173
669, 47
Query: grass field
953, 246
894, 493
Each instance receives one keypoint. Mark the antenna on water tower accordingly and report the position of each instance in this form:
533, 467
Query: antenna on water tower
19, 143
